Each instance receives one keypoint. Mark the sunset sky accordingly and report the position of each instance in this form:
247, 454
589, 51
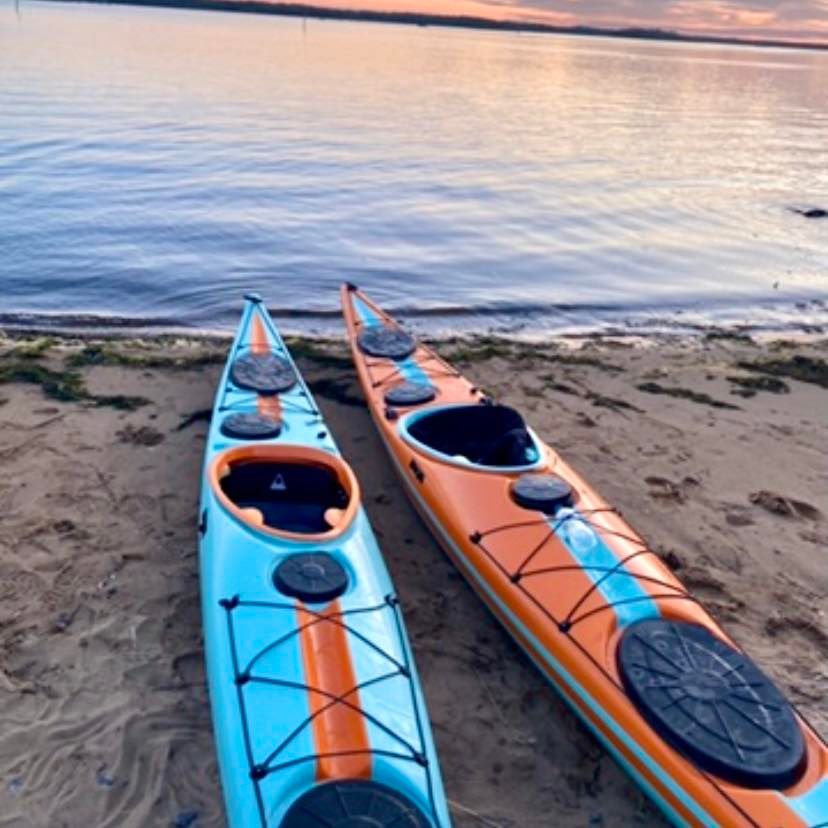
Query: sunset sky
787, 19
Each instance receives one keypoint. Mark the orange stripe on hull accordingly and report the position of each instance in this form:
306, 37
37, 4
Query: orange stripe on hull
338, 728
266, 406
269, 407
258, 335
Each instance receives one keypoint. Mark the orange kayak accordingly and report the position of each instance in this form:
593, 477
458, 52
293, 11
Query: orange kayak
695, 722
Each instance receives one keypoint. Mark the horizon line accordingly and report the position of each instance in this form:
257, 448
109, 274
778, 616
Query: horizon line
290, 9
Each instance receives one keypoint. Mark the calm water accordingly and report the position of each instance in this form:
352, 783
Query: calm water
154, 164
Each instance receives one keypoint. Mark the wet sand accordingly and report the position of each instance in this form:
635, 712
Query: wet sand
104, 719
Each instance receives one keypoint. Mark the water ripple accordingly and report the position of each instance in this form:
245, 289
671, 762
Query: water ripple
154, 164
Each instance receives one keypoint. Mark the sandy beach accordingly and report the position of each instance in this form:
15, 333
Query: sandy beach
714, 447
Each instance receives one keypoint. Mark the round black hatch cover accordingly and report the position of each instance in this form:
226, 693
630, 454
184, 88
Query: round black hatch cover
385, 341
353, 804
712, 703
263, 373
250, 426
314, 577
544, 492
410, 393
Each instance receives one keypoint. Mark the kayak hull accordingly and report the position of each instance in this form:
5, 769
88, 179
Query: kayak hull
568, 619
308, 688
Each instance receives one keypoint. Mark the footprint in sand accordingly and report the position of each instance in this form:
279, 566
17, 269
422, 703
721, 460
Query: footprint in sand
17, 583
788, 507
662, 488
140, 436
714, 595
737, 515
787, 625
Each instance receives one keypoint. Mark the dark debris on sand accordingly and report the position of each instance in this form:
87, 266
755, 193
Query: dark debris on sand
685, 394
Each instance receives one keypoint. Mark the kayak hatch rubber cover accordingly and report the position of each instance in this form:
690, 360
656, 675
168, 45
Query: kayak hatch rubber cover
702, 730
318, 714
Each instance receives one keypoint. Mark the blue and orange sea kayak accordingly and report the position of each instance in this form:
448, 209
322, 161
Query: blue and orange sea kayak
691, 718
318, 715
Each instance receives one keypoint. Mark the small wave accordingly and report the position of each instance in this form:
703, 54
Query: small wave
518, 320
89, 322
503, 309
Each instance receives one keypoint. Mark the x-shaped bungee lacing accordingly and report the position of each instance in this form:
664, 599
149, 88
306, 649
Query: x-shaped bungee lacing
287, 404
244, 676
396, 374
426, 354
618, 569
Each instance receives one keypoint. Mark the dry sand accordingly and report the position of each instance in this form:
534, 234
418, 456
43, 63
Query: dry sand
104, 719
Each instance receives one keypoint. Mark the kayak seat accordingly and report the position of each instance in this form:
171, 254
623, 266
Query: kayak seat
292, 497
253, 516
487, 435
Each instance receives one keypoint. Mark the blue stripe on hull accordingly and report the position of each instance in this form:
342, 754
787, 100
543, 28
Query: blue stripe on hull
629, 600
408, 367
565, 683
811, 807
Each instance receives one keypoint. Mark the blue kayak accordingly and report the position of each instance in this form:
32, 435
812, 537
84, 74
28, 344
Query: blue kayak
318, 714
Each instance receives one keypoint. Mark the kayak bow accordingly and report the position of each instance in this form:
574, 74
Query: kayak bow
683, 710
318, 714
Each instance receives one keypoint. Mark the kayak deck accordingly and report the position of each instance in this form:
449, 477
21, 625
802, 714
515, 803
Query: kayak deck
574, 584
316, 702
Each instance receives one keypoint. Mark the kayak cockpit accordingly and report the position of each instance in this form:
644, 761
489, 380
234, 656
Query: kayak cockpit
484, 435
290, 491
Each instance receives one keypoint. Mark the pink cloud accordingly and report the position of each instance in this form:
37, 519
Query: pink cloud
794, 19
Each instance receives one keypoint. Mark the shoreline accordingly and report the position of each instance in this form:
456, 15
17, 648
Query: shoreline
457, 22
796, 314
715, 448
656, 330
699, 336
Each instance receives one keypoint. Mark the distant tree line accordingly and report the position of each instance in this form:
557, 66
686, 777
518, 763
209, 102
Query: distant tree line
456, 21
